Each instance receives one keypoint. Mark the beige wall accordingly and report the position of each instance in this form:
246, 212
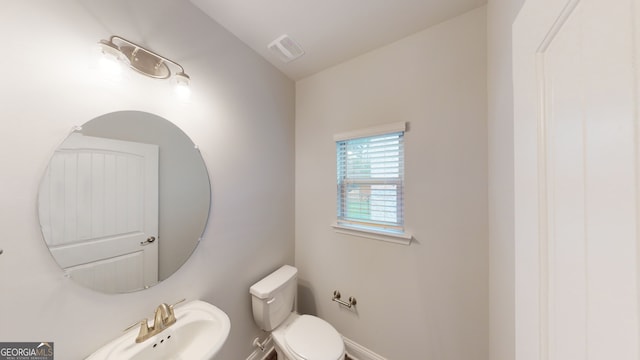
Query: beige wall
428, 300
500, 16
240, 114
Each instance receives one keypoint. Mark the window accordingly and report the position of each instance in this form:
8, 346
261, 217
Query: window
370, 180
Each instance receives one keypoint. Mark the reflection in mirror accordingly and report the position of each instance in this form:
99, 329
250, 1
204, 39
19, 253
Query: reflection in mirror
124, 201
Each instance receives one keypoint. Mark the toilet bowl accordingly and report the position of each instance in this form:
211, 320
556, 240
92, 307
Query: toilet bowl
296, 337
307, 337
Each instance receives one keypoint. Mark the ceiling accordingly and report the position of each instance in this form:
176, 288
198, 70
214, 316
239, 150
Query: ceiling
329, 31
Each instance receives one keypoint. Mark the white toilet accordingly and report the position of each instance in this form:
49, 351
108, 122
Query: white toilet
296, 337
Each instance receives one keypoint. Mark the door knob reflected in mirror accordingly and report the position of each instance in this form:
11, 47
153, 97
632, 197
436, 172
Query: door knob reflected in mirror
149, 240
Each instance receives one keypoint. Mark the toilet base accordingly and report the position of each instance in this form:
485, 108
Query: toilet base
278, 339
281, 356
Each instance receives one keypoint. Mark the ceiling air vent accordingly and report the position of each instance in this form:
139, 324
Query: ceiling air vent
286, 48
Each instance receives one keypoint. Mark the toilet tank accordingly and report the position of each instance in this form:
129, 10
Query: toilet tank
272, 298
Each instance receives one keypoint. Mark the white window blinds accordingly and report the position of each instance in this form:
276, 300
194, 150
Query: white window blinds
370, 182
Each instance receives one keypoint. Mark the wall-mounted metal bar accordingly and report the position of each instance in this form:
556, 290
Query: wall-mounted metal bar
336, 298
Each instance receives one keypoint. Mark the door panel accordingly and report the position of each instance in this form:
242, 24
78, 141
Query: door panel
576, 145
113, 275
98, 206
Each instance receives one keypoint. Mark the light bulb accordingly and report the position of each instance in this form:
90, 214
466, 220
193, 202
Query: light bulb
182, 89
110, 65
111, 61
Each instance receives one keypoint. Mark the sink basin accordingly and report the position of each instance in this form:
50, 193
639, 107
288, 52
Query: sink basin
199, 332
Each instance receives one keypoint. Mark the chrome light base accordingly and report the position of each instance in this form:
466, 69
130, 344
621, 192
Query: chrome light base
146, 63
142, 60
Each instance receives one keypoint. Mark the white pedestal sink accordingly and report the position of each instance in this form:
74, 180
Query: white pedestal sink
198, 334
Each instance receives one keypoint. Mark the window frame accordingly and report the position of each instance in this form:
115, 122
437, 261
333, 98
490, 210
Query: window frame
387, 231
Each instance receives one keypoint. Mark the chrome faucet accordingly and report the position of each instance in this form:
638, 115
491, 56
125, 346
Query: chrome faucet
164, 317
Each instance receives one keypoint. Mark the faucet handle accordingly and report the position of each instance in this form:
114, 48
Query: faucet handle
172, 315
137, 323
144, 329
176, 303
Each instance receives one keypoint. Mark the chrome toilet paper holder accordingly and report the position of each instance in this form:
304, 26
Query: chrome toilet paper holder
336, 297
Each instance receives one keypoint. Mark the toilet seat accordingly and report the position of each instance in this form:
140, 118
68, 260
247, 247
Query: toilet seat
311, 338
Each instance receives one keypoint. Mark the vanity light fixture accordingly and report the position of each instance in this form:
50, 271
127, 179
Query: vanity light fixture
143, 60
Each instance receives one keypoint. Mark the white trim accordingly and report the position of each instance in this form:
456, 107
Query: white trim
371, 131
258, 354
533, 29
359, 352
402, 238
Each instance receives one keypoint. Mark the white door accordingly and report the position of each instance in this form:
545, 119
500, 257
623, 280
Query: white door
577, 183
98, 207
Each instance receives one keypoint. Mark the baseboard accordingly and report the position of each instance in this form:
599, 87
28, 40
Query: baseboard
258, 354
359, 352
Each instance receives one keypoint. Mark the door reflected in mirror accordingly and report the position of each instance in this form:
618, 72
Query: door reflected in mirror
124, 201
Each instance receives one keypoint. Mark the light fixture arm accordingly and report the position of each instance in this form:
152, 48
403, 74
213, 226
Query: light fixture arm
136, 46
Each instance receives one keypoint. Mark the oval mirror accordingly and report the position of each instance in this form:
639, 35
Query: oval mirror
124, 201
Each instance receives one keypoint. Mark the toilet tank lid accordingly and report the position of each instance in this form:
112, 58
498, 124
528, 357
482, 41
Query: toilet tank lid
274, 281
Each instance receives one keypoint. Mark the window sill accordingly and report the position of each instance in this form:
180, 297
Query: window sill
392, 237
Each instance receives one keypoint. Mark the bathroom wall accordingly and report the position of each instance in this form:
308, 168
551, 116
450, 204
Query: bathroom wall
240, 113
500, 17
428, 300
